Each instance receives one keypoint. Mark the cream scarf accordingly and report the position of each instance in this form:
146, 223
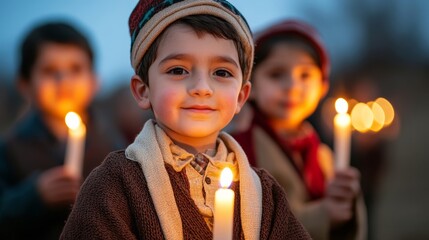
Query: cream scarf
151, 147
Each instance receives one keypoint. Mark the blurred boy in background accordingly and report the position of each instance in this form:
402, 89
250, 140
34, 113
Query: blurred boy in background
56, 75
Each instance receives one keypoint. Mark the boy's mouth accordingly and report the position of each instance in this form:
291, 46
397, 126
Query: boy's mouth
289, 104
199, 108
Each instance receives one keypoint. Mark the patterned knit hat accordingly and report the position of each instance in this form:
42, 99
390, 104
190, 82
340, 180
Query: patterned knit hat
150, 17
301, 29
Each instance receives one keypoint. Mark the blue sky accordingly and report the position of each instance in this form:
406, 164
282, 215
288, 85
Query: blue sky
106, 24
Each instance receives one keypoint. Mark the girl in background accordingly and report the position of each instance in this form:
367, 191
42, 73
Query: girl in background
289, 78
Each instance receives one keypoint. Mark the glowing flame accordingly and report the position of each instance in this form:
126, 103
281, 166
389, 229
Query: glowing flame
226, 177
73, 120
342, 120
341, 105
371, 116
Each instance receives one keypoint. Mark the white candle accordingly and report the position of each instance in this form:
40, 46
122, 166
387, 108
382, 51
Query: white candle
342, 133
224, 208
75, 143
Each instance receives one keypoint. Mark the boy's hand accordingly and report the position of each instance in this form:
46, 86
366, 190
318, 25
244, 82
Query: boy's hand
340, 195
58, 187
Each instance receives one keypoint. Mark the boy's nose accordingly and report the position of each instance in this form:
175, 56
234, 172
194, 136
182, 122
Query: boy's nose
201, 86
289, 82
61, 75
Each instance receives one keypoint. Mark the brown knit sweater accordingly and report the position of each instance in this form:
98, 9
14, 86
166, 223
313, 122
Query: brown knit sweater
115, 203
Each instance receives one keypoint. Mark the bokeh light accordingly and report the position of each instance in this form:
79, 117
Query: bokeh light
379, 116
388, 110
362, 117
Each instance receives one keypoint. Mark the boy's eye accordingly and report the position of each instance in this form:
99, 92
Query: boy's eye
177, 71
49, 71
308, 73
276, 75
223, 73
76, 69
304, 75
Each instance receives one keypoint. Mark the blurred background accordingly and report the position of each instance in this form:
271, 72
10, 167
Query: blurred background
378, 48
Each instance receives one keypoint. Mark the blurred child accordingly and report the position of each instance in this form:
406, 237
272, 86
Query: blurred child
193, 59
56, 75
125, 114
289, 78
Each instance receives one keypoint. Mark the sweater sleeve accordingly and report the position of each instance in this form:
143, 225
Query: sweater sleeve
278, 221
101, 210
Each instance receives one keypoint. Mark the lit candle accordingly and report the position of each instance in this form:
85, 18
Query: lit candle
342, 134
75, 143
224, 208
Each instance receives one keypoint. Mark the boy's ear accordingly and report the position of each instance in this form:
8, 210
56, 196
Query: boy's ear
243, 96
140, 92
252, 91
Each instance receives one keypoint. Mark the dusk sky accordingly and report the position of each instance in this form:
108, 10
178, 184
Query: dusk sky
341, 24
106, 23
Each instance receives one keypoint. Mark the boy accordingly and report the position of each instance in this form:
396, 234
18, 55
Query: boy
56, 76
192, 59
290, 77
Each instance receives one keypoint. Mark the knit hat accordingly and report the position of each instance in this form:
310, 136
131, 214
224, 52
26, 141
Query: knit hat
150, 17
303, 30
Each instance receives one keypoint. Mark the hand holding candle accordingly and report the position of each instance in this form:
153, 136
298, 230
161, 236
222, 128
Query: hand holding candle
75, 143
342, 134
224, 208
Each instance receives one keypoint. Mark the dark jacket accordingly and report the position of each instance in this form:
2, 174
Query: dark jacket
28, 149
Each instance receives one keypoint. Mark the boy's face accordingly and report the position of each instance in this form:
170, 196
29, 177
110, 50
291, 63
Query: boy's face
62, 80
288, 85
195, 85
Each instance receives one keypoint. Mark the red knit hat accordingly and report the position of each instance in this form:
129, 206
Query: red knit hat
301, 29
150, 17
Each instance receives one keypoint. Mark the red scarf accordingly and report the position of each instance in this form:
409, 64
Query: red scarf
307, 146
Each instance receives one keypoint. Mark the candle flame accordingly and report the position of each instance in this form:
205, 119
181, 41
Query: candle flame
226, 177
73, 120
342, 120
341, 105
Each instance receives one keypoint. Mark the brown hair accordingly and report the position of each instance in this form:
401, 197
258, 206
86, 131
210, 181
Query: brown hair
50, 32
